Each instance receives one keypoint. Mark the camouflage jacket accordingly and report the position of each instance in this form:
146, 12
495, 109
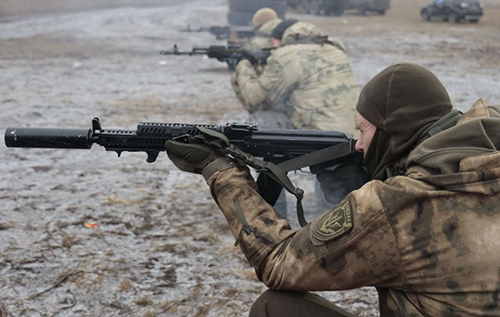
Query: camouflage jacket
261, 40
429, 241
310, 81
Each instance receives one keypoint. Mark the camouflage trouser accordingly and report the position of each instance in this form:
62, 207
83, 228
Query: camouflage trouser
294, 304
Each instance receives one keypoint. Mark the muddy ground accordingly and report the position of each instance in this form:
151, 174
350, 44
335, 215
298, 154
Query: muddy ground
159, 246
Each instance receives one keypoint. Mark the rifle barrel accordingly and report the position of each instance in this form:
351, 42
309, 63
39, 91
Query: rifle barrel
196, 51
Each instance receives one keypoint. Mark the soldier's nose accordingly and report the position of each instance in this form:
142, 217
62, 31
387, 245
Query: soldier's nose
359, 147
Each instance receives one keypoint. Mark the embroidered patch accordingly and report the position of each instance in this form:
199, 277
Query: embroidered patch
335, 223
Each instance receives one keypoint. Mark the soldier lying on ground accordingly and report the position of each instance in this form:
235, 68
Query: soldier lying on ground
424, 231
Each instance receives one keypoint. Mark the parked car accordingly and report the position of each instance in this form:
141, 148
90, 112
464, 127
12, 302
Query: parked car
241, 11
453, 11
319, 7
364, 6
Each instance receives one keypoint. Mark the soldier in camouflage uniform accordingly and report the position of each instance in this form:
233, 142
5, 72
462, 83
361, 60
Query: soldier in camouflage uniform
307, 82
261, 40
425, 231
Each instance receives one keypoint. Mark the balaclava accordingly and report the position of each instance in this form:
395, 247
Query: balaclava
402, 101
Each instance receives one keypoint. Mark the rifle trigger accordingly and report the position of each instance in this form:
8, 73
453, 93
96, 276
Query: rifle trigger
152, 156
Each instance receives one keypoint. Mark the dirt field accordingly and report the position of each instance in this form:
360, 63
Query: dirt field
161, 247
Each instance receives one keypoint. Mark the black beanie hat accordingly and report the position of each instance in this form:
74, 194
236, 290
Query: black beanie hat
280, 29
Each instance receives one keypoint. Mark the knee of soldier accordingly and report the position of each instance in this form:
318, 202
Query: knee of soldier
259, 306
263, 306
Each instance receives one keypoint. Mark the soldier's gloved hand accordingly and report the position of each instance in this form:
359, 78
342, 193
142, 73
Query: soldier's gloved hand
338, 181
192, 157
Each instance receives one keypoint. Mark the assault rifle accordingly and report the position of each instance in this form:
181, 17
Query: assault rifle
224, 32
280, 151
224, 53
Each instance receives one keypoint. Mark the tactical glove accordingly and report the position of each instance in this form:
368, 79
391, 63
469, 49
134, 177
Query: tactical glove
196, 156
338, 181
192, 157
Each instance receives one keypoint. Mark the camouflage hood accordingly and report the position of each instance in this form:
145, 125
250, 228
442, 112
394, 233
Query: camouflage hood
464, 158
301, 32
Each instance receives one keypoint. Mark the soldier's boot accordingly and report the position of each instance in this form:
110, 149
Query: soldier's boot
294, 304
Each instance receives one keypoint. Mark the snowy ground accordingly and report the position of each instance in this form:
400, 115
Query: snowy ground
161, 247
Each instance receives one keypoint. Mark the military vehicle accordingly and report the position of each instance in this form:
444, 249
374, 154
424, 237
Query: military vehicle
241, 11
364, 6
453, 11
318, 7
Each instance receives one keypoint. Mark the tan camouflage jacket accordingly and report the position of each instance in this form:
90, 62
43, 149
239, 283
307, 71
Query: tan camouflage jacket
312, 83
429, 242
261, 40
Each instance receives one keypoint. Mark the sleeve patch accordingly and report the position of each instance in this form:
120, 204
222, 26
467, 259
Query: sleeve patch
335, 223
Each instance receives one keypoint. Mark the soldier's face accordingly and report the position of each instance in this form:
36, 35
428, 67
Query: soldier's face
276, 42
366, 132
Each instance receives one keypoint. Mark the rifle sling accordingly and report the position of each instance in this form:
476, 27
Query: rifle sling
273, 171
317, 157
279, 172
